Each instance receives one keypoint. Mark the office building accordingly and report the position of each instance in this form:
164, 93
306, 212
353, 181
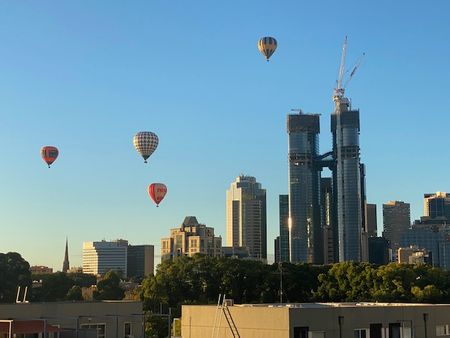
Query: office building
66, 265
189, 239
140, 260
396, 220
246, 216
305, 229
317, 320
437, 205
413, 255
378, 250
371, 220
100, 257
283, 250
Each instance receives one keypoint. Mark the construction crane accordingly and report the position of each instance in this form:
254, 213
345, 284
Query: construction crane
340, 88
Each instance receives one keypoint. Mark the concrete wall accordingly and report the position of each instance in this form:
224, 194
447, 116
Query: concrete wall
73, 315
279, 322
257, 322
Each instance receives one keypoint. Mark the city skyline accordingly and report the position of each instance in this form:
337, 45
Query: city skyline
86, 77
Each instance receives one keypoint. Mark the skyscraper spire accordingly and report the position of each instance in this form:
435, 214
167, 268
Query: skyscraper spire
66, 258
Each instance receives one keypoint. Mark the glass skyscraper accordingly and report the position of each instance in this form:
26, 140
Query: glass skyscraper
347, 181
305, 233
283, 253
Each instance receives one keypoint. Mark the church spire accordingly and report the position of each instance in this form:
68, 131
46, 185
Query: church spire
66, 258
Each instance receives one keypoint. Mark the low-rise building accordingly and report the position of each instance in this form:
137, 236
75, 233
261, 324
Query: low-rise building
40, 270
106, 319
317, 320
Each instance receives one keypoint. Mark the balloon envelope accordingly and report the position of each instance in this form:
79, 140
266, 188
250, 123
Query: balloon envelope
267, 46
157, 191
145, 143
49, 154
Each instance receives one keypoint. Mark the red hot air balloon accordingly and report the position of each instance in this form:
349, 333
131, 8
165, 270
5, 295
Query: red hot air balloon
49, 154
157, 191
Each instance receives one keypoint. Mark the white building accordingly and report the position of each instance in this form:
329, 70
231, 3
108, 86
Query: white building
100, 257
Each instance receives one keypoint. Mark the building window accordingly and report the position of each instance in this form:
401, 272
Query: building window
101, 328
443, 330
127, 330
361, 333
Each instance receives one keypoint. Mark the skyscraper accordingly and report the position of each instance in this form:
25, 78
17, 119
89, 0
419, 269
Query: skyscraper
246, 216
437, 205
305, 233
283, 249
347, 179
66, 265
371, 219
396, 220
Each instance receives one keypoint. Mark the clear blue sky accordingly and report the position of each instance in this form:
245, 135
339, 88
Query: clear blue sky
85, 76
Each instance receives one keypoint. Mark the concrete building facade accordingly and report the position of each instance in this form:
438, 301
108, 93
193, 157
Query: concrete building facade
189, 239
106, 319
396, 221
317, 320
247, 216
100, 257
140, 260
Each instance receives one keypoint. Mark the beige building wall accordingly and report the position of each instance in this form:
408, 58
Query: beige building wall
327, 320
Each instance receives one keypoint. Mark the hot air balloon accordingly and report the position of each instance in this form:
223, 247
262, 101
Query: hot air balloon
157, 191
49, 154
267, 46
145, 143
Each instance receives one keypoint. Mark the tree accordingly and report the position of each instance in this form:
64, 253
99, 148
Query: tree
14, 272
109, 287
74, 293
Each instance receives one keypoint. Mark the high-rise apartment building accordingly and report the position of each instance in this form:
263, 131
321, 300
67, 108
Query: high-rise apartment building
437, 205
305, 233
246, 216
283, 248
140, 260
189, 239
100, 257
396, 221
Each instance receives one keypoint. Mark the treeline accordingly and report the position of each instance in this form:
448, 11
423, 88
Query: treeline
59, 286
200, 280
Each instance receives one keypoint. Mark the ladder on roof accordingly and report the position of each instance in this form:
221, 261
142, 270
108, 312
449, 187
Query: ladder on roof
222, 307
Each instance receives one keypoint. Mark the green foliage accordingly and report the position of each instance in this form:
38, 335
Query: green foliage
57, 286
109, 287
14, 272
74, 293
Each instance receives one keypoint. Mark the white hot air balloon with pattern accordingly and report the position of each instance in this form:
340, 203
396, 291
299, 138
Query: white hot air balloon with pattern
145, 143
